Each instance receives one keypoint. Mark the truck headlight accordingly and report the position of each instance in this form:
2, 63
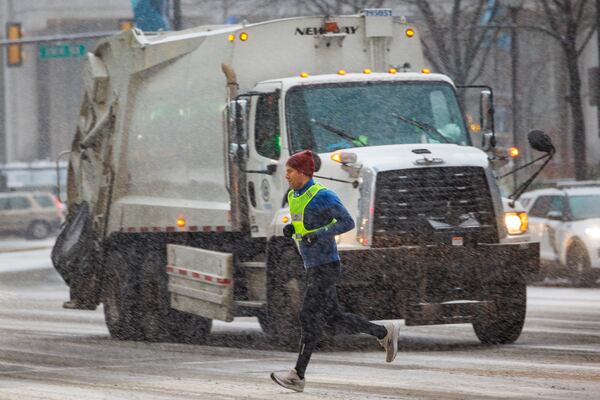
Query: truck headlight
593, 233
516, 222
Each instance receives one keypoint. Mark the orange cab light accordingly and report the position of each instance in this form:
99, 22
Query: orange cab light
341, 72
303, 74
425, 70
243, 36
392, 70
231, 37
180, 222
410, 32
367, 71
514, 151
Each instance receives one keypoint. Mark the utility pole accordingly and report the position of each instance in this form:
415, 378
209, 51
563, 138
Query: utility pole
514, 6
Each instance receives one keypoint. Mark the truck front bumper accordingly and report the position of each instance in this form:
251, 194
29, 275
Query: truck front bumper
390, 283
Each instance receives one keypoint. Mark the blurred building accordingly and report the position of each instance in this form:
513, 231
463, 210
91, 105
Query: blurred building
41, 97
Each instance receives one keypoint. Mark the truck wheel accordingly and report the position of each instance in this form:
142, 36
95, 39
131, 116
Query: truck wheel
154, 294
579, 267
510, 296
285, 289
160, 322
121, 311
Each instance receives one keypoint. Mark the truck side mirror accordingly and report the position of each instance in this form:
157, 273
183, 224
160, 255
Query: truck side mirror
237, 112
238, 121
540, 141
486, 109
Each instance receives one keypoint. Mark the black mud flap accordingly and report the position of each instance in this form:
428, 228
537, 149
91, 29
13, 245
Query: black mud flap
75, 257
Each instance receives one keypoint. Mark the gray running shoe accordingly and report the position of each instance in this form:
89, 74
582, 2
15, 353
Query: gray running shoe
289, 380
390, 341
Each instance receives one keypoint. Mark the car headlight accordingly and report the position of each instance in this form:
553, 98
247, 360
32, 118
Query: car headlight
516, 222
593, 233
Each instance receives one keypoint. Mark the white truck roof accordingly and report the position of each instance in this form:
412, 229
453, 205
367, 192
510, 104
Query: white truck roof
361, 77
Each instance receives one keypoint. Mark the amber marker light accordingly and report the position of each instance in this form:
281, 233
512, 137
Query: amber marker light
425, 70
180, 222
367, 71
341, 72
514, 152
303, 74
337, 157
231, 38
410, 32
392, 70
243, 36
285, 219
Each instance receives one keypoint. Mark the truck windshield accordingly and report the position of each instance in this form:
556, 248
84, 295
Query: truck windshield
584, 207
374, 113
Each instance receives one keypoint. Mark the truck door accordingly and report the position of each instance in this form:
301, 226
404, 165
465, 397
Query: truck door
265, 177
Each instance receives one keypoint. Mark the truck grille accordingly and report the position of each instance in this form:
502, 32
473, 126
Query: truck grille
433, 205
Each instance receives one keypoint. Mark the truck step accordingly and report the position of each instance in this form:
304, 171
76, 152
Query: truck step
451, 312
249, 304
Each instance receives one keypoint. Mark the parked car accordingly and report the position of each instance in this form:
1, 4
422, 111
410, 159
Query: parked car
34, 214
566, 222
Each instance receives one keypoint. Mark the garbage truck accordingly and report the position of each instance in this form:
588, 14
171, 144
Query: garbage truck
177, 197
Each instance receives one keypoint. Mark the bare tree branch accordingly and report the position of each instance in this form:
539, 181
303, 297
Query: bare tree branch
582, 6
432, 59
586, 40
482, 64
550, 16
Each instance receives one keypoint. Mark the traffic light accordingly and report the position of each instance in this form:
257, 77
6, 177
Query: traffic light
126, 24
514, 152
14, 54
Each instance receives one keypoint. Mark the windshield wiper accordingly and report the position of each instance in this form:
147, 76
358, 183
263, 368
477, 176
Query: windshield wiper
431, 131
338, 132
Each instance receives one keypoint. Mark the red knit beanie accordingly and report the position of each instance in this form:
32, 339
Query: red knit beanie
302, 161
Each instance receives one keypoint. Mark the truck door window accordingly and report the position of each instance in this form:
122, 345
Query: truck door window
266, 126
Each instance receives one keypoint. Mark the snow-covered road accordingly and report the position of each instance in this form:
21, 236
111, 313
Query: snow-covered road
47, 352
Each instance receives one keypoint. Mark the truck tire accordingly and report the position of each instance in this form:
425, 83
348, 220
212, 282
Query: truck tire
285, 289
579, 267
161, 323
121, 307
510, 296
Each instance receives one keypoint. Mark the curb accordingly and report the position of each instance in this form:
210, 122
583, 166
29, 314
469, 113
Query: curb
21, 249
